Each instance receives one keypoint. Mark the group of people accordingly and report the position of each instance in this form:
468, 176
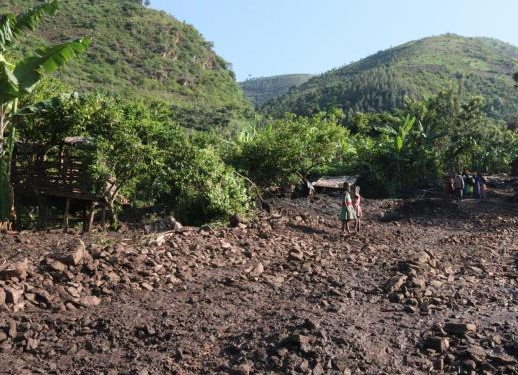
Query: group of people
466, 185
351, 209
462, 185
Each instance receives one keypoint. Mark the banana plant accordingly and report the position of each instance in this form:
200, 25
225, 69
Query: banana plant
20, 78
398, 135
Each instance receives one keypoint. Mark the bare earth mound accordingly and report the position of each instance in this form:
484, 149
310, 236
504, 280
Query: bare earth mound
431, 291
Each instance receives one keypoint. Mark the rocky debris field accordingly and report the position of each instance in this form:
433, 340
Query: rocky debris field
425, 288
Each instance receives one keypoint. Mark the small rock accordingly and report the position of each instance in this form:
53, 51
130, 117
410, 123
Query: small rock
318, 370
75, 253
16, 269
395, 283
438, 363
89, 301
460, 328
298, 341
439, 344
311, 324
469, 364
13, 296
235, 220
146, 286
258, 270
242, 369
32, 344
175, 224
502, 360
12, 329
476, 353
57, 266
296, 255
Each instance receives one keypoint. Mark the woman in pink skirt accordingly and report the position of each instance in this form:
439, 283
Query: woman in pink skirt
357, 207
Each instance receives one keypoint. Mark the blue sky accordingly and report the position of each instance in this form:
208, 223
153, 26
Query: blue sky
270, 37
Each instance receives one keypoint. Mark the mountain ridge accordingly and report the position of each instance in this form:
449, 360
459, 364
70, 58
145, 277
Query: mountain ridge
260, 90
418, 69
138, 52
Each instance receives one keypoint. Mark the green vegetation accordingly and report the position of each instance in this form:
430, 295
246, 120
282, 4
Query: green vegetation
153, 160
290, 149
147, 137
140, 53
449, 134
19, 78
263, 89
393, 153
417, 69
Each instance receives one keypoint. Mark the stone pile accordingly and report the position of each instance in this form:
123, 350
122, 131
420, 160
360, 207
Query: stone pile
417, 282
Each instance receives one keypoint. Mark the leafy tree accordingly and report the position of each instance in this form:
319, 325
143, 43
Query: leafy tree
150, 159
291, 148
18, 79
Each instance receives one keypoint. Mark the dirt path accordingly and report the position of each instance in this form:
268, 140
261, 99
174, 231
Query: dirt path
279, 296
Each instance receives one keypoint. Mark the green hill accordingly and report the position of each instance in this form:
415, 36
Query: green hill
417, 69
263, 89
144, 53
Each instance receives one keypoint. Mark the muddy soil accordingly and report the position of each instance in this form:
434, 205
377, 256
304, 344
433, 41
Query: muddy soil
426, 287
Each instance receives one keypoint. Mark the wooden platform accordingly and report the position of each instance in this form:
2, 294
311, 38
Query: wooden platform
44, 176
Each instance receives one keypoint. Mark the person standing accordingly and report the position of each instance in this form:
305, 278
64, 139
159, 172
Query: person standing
483, 185
470, 186
347, 212
458, 184
448, 183
358, 208
478, 185
465, 177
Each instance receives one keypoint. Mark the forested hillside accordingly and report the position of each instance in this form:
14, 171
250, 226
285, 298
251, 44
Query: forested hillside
142, 53
417, 69
263, 89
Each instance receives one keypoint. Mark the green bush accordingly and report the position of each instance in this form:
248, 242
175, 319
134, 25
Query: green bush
200, 187
290, 149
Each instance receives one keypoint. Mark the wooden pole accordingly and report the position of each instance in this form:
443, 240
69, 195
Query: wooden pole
92, 216
85, 219
65, 217
18, 210
43, 212
103, 218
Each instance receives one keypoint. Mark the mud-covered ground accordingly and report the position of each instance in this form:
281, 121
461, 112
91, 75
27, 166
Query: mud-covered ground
425, 288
